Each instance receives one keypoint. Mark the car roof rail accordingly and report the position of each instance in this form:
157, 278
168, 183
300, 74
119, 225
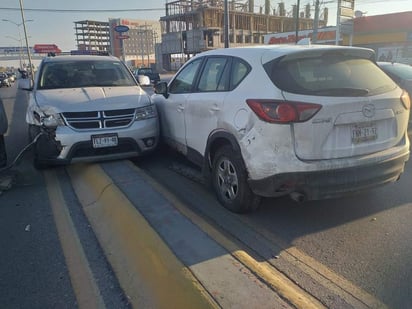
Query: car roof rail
80, 52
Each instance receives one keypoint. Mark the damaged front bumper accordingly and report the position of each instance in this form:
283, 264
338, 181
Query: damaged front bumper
64, 145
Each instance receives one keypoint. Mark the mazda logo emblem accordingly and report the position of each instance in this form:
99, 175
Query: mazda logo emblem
368, 110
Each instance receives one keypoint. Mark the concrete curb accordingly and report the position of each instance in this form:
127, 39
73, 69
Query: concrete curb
149, 273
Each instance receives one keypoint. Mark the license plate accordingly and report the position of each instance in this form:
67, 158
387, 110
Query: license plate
363, 132
104, 140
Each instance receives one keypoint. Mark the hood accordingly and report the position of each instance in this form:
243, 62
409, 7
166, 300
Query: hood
91, 99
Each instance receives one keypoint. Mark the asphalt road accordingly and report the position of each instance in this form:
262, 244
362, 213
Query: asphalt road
348, 253
33, 267
364, 240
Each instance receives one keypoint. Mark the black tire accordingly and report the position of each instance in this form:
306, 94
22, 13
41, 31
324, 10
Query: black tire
3, 153
229, 181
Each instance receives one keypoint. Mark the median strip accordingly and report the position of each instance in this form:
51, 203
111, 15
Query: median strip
147, 270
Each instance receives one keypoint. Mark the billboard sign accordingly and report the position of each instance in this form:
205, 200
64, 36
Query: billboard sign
325, 35
121, 28
46, 48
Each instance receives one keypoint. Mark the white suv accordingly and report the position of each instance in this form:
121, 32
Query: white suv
89, 108
313, 122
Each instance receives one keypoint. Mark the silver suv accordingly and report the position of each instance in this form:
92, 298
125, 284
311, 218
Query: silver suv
89, 108
311, 122
3, 130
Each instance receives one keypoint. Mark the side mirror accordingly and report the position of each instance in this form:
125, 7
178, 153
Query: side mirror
25, 84
161, 88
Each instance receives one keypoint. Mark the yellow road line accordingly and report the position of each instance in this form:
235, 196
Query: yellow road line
81, 277
325, 276
147, 270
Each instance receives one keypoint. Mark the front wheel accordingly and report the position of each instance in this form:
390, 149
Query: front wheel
229, 180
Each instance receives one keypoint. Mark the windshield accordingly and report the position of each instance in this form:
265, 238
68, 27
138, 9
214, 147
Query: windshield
332, 75
74, 74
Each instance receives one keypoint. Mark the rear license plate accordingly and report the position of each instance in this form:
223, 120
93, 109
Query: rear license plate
364, 132
104, 140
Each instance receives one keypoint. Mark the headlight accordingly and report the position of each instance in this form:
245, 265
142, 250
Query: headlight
52, 121
145, 112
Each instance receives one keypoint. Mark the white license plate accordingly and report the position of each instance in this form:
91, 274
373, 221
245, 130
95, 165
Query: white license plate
104, 140
364, 132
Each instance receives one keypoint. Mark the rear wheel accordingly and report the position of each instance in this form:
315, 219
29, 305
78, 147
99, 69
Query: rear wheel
229, 180
3, 153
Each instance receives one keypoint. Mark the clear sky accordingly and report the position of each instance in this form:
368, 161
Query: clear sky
57, 27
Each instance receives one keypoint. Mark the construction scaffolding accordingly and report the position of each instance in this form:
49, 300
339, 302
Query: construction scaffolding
92, 35
191, 27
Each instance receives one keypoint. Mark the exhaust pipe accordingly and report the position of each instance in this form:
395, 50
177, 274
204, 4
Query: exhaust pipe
298, 197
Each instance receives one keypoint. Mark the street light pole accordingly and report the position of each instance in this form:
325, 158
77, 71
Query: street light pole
20, 48
18, 25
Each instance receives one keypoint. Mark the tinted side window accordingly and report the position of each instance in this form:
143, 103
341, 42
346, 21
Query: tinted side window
239, 71
213, 78
183, 82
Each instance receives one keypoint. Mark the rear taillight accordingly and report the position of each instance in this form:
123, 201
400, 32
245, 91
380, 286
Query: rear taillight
406, 100
283, 111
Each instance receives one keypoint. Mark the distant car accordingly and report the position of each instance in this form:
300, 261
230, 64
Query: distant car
4, 80
23, 73
311, 122
400, 73
88, 108
153, 76
3, 130
11, 76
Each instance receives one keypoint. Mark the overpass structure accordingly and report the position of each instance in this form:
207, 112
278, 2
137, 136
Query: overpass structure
4, 57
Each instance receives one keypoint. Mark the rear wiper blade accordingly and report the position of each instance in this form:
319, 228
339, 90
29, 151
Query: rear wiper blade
345, 91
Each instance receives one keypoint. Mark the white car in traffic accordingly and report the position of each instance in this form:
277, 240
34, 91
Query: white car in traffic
311, 122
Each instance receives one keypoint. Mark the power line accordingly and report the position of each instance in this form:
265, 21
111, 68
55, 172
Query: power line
83, 10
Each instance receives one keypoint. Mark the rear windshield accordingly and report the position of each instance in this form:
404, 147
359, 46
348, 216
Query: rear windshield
331, 75
75, 74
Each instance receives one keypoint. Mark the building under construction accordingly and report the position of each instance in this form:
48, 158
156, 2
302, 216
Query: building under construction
191, 27
92, 35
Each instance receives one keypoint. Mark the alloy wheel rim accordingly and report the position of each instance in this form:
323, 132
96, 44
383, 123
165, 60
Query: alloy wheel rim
227, 180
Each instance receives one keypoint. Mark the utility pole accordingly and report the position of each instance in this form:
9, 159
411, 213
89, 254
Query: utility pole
297, 21
27, 42
337, 37
316, 22
226, 24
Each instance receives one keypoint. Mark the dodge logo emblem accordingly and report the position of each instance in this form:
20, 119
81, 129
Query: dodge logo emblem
368, 110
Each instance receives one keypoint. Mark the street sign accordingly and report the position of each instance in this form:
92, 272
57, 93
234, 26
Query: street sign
122, 37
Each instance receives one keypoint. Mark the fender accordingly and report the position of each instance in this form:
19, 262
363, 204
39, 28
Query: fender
216, 139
